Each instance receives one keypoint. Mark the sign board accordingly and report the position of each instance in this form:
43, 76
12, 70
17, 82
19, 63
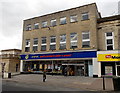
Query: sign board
85, 54
109, 57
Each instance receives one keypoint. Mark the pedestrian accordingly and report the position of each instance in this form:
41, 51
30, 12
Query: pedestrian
65, 71
44, 76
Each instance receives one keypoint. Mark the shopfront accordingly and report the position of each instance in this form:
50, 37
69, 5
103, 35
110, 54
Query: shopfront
75, 63
110, 62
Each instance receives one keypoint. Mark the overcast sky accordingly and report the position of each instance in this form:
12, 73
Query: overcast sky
13, 12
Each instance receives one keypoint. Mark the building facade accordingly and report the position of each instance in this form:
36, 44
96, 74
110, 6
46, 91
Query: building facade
109, 45
9, 60
64, 41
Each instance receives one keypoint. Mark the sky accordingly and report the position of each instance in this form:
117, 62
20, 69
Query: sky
13, 12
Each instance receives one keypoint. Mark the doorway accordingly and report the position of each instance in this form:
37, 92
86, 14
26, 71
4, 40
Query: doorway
118, 70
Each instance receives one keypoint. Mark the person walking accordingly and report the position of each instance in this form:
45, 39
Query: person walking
44, 76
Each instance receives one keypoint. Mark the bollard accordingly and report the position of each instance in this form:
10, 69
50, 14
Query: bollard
103, 83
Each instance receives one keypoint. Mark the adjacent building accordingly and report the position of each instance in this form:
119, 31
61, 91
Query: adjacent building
109, 45
71, 40
10, 61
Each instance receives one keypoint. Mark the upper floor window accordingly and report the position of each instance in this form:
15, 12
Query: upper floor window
27, 45
73, 40
43, 40
63, 20
36, 26
28, 27
44, 24
35, 41
109, 41
52, 43
27, 42
52, 39
63, 38
35, 44
85, 39
63, 41
85, 16
43, 44
73, 18
53, 22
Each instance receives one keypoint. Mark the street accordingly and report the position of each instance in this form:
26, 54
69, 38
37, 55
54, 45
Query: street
33, 83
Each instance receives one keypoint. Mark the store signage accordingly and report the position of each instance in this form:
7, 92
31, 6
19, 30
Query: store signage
85, 54
108, 57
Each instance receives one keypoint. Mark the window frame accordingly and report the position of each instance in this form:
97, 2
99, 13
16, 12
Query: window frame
28, 27
44, 24
108, 38
36, 25
62, 42
85, 40
42, 40
52, 24
73, 41
52, 43
63, 19
85, 14
73, 17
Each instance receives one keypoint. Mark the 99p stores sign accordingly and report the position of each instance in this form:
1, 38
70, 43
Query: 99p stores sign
113, 57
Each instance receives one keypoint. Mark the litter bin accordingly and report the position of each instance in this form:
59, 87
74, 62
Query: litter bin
9, 75
116, 83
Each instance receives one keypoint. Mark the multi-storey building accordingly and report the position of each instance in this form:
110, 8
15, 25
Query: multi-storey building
64, 40
9, 60
108, 46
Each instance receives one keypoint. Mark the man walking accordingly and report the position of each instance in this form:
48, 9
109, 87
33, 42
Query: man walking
44, 76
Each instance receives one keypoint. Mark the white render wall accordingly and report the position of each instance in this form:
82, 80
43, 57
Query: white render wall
96, 67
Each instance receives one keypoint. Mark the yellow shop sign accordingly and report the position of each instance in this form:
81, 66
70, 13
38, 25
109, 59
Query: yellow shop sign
108, 57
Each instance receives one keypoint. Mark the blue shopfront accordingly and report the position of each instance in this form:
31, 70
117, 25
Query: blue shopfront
78, 63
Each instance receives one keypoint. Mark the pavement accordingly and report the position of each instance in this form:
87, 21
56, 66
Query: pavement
63, 83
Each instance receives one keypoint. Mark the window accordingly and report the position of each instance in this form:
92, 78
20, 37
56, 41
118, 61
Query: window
27, 49
28, 28
35, 48
27, 45
63, 20
109, 41
43, 44
63, 41
53, 47
85, 16
109, 34
44, 24
43, 40
52, 43
36, 26
73, 18
53, 22
35, 41
43, 47
27, 42
52, 39
73, 40
35, 44
85, 39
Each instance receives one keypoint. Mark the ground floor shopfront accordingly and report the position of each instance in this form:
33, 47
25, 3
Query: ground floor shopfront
70, 63
109, 62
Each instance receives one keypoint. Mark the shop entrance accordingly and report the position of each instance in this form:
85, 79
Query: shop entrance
73, 70
108, 68
118, 70
79, 70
